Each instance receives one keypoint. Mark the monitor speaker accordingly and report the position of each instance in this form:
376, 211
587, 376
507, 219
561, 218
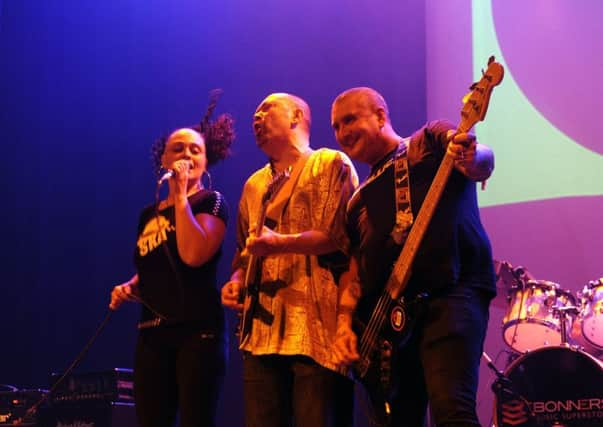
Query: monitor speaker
93, 414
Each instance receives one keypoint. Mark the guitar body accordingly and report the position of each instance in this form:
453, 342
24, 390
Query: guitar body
249, 295
377, 370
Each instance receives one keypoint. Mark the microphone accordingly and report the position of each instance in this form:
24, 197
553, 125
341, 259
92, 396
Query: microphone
169, 174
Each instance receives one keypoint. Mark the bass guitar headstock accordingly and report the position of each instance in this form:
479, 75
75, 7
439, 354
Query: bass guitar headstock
476, 102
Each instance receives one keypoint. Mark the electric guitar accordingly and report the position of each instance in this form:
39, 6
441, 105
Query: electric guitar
392, 317
249, 292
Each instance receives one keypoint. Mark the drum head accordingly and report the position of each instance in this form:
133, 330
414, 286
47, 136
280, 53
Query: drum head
556, 386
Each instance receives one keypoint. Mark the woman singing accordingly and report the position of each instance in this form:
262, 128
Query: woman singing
180, 352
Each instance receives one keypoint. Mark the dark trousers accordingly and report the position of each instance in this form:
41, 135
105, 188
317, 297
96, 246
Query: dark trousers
441, 362
177, 371
283, 391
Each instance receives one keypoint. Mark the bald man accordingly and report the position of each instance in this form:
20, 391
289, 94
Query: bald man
288, 371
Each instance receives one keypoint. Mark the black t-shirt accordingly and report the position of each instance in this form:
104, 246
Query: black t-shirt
455, 248
183, 294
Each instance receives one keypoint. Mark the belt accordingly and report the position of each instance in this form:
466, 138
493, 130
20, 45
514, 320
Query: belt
159, 321
150, 323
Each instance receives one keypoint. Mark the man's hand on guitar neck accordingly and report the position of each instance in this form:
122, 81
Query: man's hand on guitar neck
461, 147
475, 161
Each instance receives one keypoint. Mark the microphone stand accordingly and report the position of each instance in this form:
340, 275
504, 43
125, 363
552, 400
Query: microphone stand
504, 386
562, 314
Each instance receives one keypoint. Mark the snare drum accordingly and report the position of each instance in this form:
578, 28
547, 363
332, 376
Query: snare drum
591, 314
530, 322
552, 386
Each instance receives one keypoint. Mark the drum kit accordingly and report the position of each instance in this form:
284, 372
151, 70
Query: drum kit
555, 374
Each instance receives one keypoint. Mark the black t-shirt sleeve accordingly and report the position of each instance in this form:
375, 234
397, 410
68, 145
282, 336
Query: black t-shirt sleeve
436, 138
212, 203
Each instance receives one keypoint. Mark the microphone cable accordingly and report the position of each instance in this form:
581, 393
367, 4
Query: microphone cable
168, 253
76, 361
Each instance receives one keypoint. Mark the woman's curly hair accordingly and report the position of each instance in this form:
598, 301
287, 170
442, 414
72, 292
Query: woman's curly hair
217, 134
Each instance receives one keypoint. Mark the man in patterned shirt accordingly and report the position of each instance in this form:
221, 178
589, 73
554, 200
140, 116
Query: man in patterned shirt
287, 367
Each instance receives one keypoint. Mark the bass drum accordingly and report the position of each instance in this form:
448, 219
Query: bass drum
551, 386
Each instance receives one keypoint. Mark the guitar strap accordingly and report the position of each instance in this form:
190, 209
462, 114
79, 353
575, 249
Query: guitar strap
404, 217
278, 205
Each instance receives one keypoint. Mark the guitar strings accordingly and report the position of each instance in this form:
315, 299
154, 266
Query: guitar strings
376, 322
368, 339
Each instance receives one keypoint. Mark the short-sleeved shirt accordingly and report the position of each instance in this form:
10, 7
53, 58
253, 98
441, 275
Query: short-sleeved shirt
183, 294
296, 314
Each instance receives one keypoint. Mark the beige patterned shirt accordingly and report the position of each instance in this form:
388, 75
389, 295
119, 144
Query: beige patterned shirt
296, 314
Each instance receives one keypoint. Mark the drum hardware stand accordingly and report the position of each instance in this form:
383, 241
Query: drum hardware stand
503, 384
511, 356
521, 278
561, 313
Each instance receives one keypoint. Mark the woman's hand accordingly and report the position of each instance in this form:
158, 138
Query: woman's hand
179, 183
127, 291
